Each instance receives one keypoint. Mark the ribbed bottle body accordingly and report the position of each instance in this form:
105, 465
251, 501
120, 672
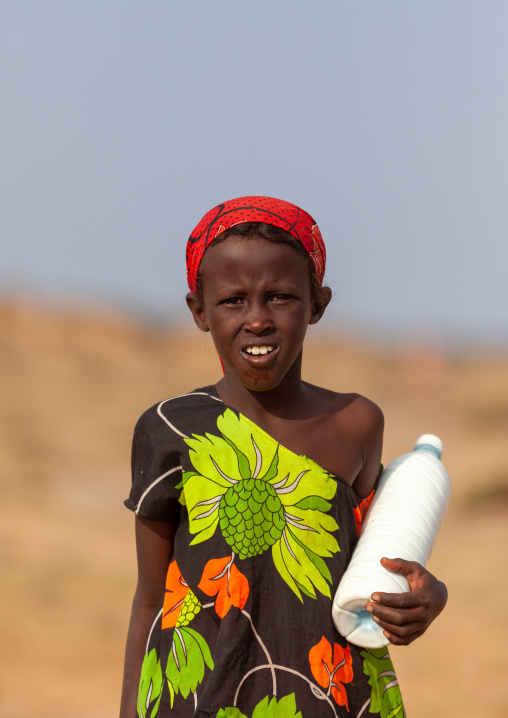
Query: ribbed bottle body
402, 522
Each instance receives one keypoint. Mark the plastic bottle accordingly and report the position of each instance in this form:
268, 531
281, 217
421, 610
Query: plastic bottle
402, 522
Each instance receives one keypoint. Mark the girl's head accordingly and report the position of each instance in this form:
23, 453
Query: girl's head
297, 226
255, 268
261, 230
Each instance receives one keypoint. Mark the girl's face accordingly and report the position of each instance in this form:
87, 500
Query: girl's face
257, 304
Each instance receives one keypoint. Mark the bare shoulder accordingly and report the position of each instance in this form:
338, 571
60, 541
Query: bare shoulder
351, 431
355, 409
366, 414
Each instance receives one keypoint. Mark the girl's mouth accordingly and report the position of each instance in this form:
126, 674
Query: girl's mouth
260, 354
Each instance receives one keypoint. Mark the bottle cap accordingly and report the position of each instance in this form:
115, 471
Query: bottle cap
430, 443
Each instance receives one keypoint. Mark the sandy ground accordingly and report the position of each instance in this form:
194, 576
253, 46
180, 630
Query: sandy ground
72, 386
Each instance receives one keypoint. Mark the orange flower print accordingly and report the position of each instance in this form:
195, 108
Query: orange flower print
176, 592
221, 577
361, 510
331, 671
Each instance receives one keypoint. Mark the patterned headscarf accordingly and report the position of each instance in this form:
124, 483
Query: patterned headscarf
272, 211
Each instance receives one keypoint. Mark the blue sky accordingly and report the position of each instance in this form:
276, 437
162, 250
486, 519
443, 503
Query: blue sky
122, 123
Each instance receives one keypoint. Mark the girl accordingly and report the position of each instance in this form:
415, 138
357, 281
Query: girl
248, 496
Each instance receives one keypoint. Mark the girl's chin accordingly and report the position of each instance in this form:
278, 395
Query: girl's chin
261, 373
252, 380
258, 380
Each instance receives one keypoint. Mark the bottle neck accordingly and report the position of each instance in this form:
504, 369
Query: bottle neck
429, 448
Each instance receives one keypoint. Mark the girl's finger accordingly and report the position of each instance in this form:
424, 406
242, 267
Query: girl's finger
402, 630
410, 599
400, 565
397, 641
397, 617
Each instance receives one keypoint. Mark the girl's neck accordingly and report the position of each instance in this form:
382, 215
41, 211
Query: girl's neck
283, 401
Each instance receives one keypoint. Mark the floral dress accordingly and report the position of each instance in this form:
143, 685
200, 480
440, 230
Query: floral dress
244, 628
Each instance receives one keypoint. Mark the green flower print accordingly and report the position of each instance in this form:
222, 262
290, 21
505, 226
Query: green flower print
189, 652
186, 662
251, 517
285, 708
386, 698
190, 608
150, 686
262, 496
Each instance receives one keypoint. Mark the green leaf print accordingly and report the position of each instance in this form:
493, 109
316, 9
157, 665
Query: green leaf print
186, 663
262, 496
243, 462
230, 713
150, 686
285, 708
315, 503
385, 696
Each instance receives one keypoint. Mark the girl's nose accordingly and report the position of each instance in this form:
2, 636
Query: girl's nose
258, 319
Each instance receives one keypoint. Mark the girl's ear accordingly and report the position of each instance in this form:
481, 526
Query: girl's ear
320, 304
198, 311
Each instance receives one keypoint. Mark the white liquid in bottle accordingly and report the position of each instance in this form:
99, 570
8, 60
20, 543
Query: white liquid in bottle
402, 522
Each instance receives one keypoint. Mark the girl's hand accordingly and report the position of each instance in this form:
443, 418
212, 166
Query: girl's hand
405, 616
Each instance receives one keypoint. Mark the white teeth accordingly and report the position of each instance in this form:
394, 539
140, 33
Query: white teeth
259, 350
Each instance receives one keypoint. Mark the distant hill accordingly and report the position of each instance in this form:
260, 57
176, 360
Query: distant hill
74, 382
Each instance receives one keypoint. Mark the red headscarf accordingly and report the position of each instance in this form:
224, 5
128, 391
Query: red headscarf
281, 214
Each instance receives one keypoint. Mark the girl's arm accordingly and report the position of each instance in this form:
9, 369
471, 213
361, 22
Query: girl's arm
154, 547
405, 616
369, 428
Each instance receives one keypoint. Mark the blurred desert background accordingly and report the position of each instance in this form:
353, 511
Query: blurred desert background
121, 125
73, 383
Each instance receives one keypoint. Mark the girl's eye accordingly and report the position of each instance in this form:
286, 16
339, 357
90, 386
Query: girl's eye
281, 297
232, 301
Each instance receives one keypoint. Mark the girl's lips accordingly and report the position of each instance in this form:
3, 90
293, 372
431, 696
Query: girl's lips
260, 360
